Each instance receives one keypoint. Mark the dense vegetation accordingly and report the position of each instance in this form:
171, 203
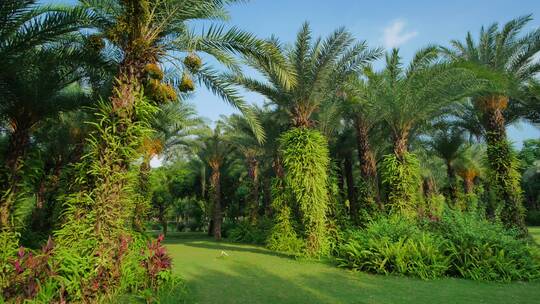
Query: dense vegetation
404, 170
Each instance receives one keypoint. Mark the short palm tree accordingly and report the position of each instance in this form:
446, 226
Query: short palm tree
504, 58
447, 144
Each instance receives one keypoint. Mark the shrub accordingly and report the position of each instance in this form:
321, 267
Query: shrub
245, 232
458, 244
394, 246
482, 250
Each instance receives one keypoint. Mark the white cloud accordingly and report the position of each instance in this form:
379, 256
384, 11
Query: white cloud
396, 35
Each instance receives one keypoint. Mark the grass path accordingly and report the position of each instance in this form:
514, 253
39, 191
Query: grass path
250, 274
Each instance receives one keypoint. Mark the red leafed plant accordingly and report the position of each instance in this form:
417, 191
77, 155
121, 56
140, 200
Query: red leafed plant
28, 270
157, 260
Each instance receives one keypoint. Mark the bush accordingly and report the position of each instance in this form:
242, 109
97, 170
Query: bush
394, 246
458, 244
482, 250
245, 232
533, 218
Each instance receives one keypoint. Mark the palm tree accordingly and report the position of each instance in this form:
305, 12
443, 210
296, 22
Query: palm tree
27, 100
174, 127
406, 99
213, 152
313, 70
146, 35
359, 107
470, 166
447, 143
241, 136
505, 60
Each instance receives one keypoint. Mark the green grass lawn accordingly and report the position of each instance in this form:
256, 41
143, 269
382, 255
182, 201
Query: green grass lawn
251, 274
535, 233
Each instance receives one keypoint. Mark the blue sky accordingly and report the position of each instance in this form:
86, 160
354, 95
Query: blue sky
408, 25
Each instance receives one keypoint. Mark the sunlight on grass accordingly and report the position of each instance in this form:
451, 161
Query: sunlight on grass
251, 274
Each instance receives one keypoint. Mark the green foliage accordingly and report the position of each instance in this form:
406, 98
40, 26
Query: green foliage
283, 236
401, 177
394, 246
245, 232
458, 244
306, 162
504, 184
10, 245
482, 250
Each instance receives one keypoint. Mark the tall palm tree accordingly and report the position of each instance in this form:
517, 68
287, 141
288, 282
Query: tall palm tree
174, 127
241, 137
27, 100
147, 35
359, 107
407, 98
213, 152
504, 58
313, 70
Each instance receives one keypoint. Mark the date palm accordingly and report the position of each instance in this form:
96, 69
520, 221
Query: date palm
360, 109
213, 152
147, 35
27, 100
241, 137
406, 99
312, 70
504, 58
447, 144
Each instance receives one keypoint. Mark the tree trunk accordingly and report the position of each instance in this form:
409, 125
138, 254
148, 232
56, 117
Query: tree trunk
253, 173
452, 188
504, 178
401, 142
215, 180
368, 165
351, 191
340, 179
18, 144
468, 185
267, 195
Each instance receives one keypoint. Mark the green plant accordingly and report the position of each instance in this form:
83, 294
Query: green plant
482, 250
245, 232
503, 58
394, 246
306, 162
283, 236
401, 177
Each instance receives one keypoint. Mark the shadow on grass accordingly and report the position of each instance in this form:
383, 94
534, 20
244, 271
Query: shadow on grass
247, 284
